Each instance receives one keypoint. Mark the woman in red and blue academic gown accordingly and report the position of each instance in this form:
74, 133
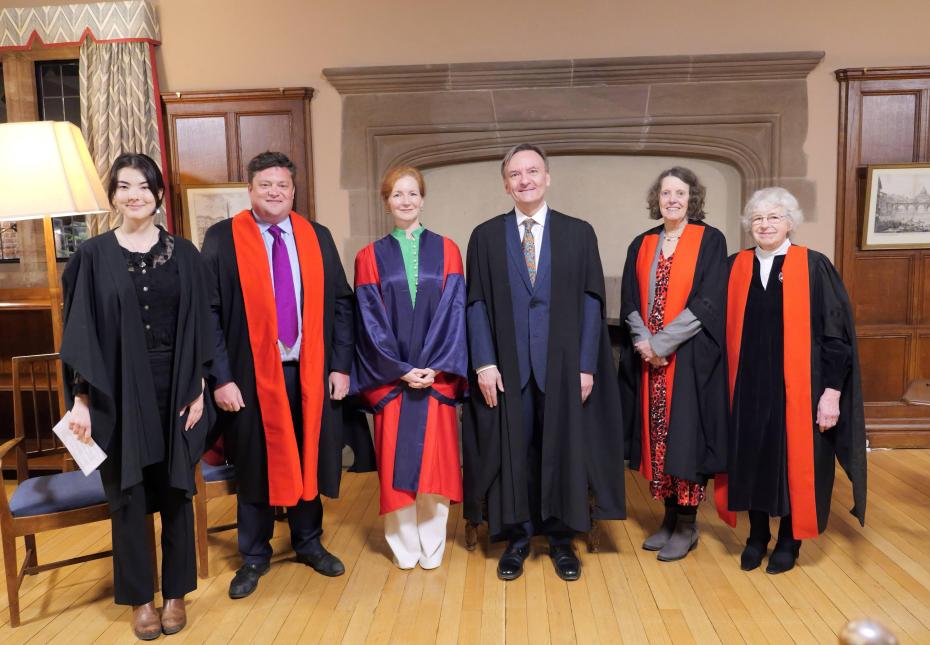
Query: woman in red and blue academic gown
410, 369
795, 392
672, 367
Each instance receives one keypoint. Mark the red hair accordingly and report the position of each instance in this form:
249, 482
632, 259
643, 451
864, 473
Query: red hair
394, 174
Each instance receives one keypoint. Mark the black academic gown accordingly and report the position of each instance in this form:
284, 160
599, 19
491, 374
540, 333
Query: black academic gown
697, 429
831, 318
582, 445
242, 431
104, 342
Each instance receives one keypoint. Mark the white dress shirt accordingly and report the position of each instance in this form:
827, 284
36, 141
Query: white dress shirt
538, 228
766, 258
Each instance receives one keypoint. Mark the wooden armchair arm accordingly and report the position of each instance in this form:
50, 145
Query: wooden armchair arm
4, 502
7, 447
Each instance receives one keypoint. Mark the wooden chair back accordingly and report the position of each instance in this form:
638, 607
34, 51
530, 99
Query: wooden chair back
38, 404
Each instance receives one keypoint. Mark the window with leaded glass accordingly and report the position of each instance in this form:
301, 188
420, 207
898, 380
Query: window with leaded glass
59, 91
69, 233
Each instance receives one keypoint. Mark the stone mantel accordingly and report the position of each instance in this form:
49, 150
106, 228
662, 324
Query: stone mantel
582, 72
746, 110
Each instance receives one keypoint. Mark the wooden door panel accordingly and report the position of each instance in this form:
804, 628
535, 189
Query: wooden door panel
881, 289
884, 363
890, 123
201, 149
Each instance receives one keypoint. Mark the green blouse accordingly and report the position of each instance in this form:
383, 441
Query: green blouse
410, 250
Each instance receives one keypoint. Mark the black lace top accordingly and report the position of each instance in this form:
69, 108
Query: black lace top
155, 277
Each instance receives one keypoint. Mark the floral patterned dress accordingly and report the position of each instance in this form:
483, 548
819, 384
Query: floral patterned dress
686, 493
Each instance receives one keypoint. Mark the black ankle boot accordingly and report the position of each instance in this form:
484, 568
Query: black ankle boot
758, 542
786, 551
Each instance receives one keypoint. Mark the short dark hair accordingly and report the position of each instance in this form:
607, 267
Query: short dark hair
696, 193
144, 164
523, 147
270, 159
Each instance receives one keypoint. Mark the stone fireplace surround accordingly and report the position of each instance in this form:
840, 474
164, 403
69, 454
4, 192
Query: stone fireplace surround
746, 110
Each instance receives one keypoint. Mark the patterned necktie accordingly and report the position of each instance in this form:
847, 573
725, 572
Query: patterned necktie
529, 249
284, 299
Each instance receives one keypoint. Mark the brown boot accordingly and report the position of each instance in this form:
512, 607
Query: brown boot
173, 615
146, 624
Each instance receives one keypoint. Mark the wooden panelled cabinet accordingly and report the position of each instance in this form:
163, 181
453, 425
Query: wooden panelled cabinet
213, 135
884, 119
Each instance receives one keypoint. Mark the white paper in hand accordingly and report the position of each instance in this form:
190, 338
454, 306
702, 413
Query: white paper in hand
86, 455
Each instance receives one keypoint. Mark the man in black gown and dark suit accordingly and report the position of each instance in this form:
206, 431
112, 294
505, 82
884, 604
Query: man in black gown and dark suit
543, 426
284, 317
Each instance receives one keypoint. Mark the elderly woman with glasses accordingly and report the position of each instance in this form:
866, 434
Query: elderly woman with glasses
796, 402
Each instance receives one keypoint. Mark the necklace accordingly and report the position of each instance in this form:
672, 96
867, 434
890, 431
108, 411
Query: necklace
133, 244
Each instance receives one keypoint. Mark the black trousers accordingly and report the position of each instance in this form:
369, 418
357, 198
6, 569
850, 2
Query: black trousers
534, 401
133, 578
256, 521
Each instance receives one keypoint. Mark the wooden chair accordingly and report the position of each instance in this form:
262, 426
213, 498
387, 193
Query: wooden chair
212, 482
46, 502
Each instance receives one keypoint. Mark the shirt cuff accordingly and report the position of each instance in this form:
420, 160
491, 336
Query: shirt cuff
484, 367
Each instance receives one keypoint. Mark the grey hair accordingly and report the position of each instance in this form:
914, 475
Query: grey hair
523, 147
767, 198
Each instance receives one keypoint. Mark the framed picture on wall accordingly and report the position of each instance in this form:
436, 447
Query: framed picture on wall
897, 207
205, 205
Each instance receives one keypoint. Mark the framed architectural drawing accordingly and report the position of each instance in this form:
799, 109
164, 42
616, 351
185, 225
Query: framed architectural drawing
897, 207
203, 206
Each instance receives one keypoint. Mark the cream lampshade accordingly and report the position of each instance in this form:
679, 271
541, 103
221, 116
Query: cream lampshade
46, 171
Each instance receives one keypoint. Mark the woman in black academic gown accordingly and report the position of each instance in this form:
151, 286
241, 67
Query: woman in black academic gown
672, 370
136, 346
796, 399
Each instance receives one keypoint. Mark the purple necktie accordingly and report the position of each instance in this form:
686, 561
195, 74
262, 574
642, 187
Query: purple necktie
284, 299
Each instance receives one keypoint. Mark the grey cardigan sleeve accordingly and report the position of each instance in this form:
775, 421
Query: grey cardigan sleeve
638, 329
684, 327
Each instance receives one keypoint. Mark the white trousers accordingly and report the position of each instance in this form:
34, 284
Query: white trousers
417, 533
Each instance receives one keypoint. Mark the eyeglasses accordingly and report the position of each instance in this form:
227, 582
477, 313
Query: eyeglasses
774, 220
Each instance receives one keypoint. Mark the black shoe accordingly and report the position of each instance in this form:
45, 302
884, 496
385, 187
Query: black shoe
323, 562
784, 556
752, 555
566, 563
246, 579
510, 566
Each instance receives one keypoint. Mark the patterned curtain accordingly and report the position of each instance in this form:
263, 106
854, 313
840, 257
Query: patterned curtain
119, 111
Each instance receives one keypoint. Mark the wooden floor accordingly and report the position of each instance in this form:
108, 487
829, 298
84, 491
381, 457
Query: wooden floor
624, 595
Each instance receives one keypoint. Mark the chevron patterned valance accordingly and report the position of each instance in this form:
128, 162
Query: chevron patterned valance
128, 20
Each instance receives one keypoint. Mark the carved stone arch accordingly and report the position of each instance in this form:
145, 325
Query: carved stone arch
748, 111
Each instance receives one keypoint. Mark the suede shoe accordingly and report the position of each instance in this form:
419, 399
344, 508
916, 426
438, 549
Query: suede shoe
323, 562
173, 616
784, 556
566, 563
246, 579
660, 538
146, 624
684, 539
510, 566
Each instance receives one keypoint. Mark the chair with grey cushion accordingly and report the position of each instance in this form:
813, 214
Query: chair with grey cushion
46, 502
